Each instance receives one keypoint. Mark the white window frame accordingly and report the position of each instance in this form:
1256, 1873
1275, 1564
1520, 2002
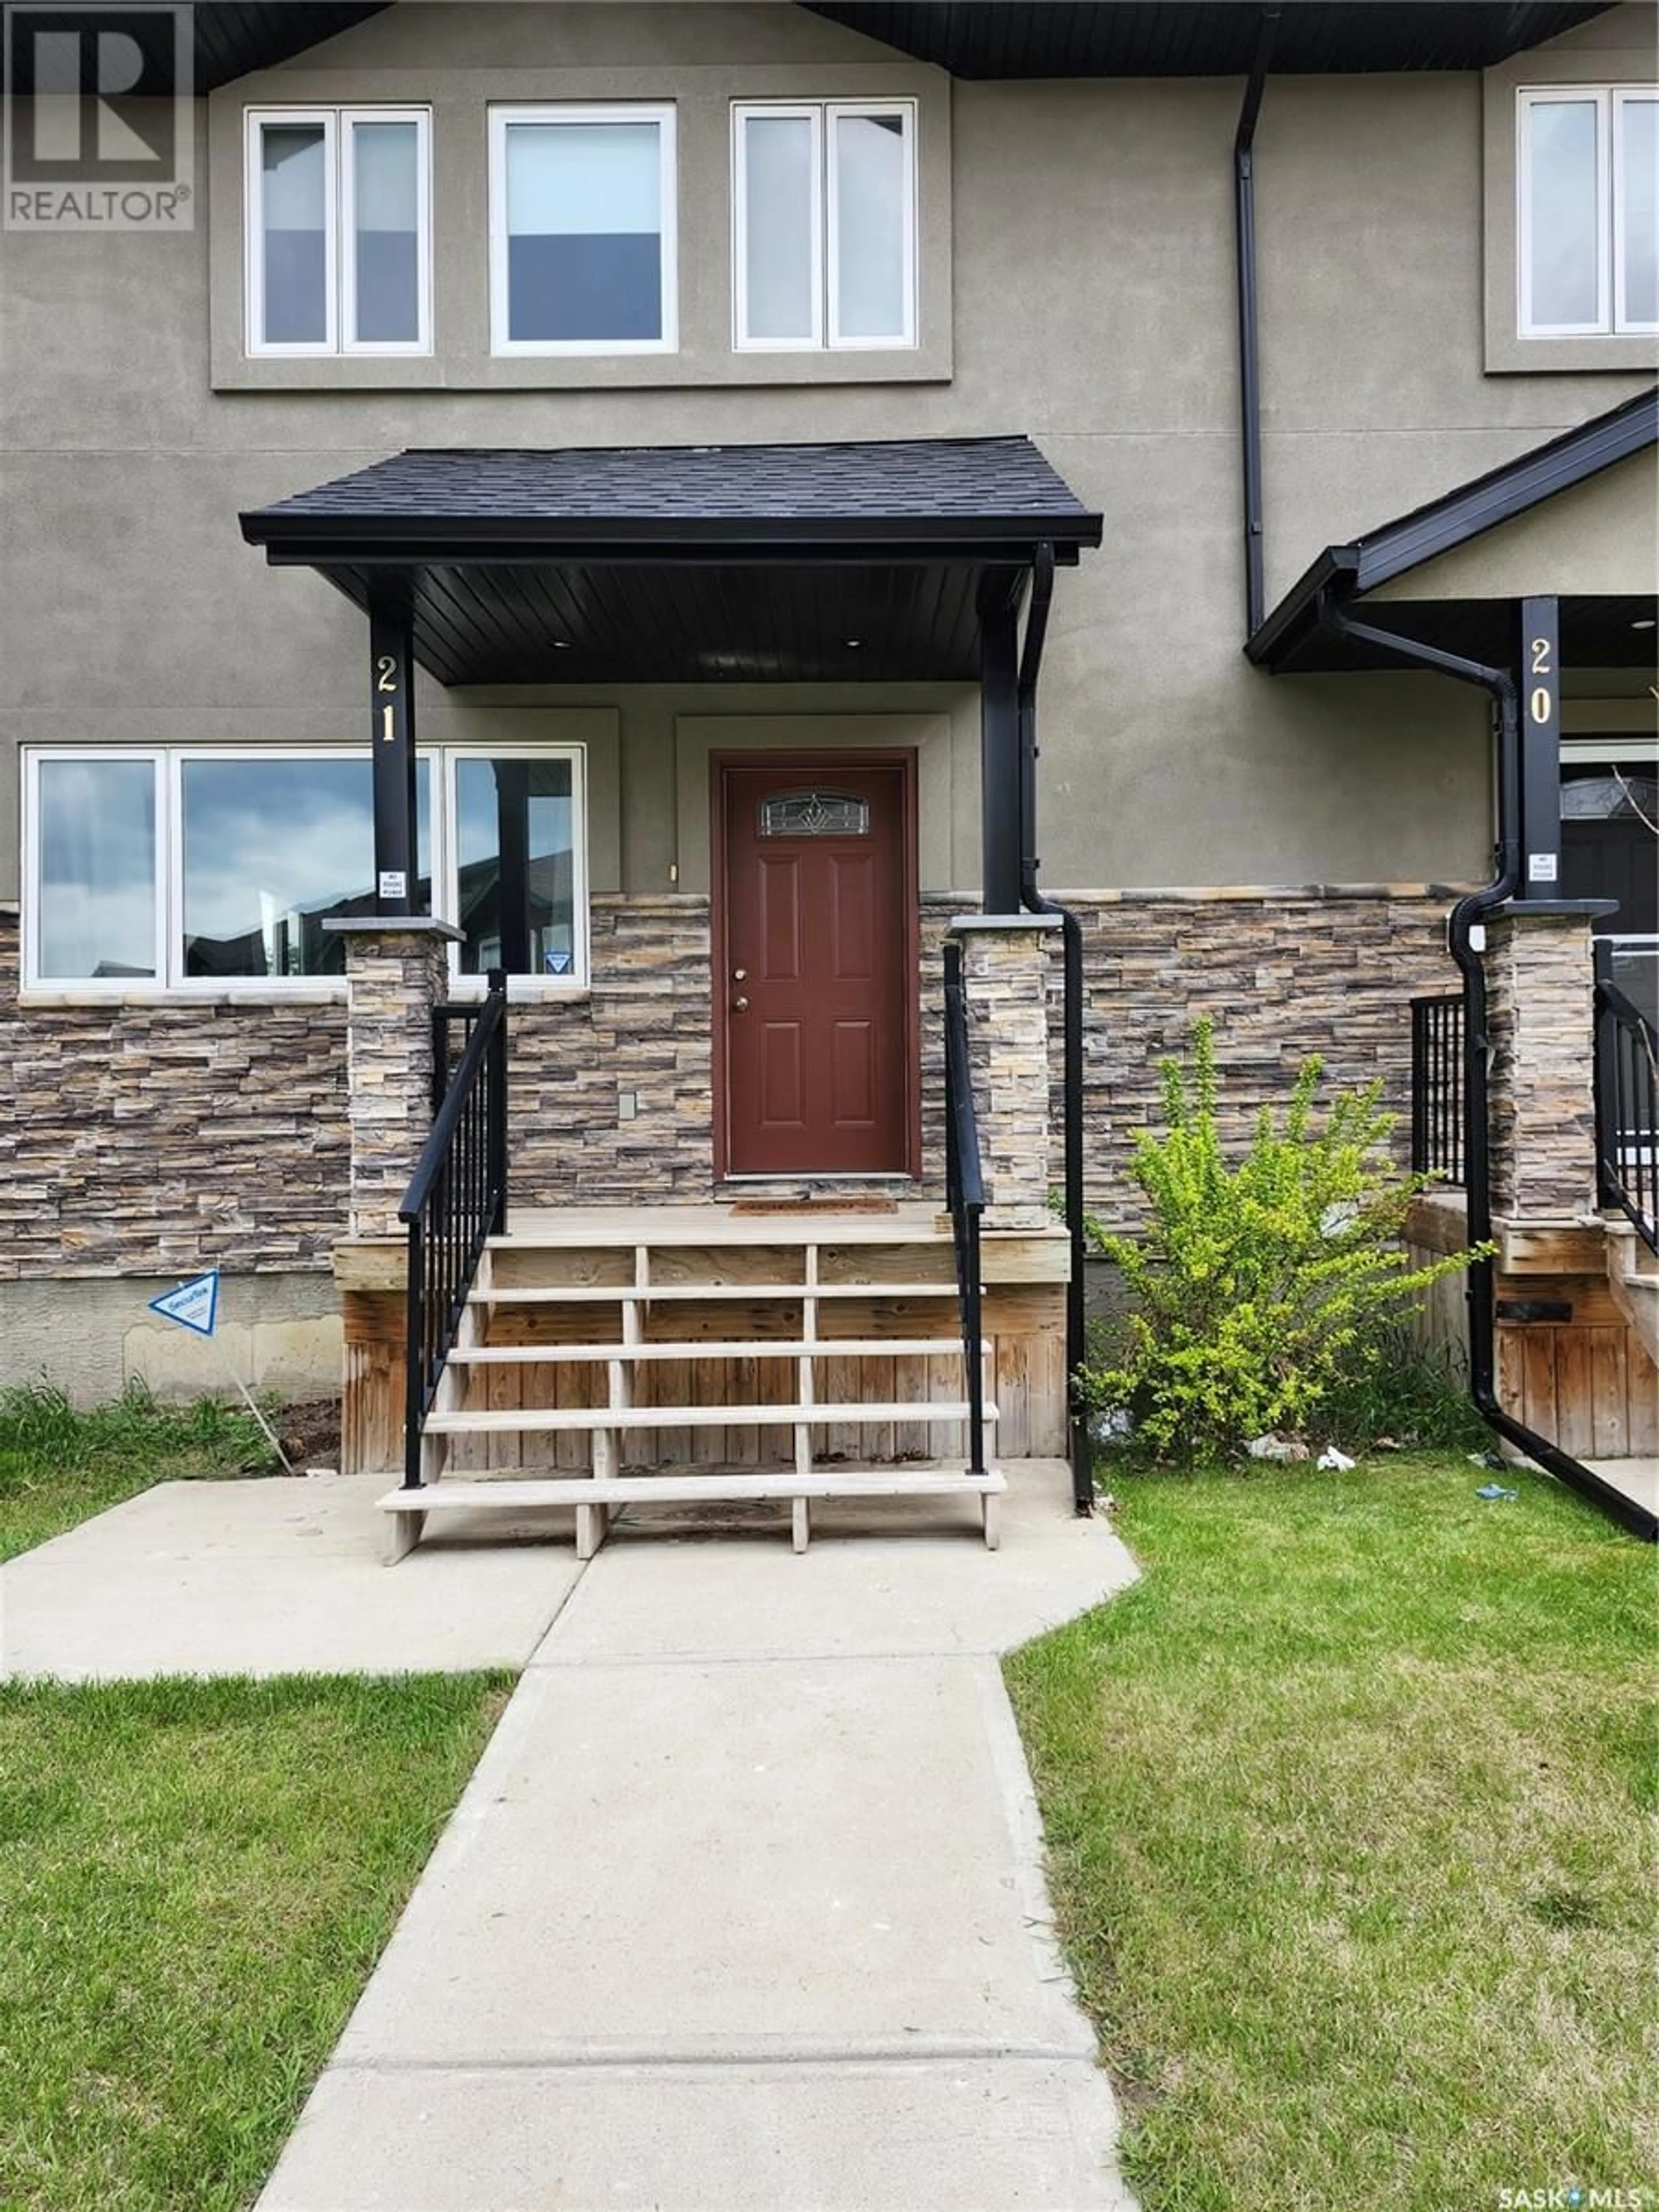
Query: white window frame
339, 236
1624, 96
101, 987
446, 760
807, 112
828, 336
351, 119
1609, 102
833, 109
167, 764
502, 119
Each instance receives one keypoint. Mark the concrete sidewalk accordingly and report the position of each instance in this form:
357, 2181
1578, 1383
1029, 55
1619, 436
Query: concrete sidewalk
272, 1577
742, 1910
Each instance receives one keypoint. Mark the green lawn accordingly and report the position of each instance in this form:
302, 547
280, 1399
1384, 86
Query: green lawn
59, 1465
1350, 1807
196, 1879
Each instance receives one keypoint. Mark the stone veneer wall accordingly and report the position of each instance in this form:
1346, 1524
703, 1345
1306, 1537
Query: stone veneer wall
1539, 1015
646, 1027
155, 1140
1284, 973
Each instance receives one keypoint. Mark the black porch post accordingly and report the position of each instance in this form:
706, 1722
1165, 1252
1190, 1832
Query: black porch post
392, 725
513, 882
1541, 749
1000, 808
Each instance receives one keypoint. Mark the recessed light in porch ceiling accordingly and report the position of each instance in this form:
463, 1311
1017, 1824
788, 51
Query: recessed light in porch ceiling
854, 642
1647, 623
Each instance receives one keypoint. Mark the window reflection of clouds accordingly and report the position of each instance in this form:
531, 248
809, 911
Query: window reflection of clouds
265, 839
97, 829
477, 824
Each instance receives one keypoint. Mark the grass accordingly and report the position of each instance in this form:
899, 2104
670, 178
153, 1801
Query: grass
196, 1879
59, 1465
1349, 1806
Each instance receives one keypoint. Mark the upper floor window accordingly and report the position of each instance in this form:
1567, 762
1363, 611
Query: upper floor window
824, 225
339, 225
1588, 171
582, 230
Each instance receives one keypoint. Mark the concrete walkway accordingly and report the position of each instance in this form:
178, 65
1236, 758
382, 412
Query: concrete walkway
743, 1909
277, 1578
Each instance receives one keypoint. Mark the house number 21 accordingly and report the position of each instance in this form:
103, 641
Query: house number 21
385, 680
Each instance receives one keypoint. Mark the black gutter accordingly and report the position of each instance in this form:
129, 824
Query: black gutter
316, 536
1030, 663
1465, 917
1249, 380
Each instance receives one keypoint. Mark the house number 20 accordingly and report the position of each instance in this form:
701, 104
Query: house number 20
385, 680
1539, 705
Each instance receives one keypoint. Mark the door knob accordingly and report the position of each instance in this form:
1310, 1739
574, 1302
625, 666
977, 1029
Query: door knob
739, 975
739, 1006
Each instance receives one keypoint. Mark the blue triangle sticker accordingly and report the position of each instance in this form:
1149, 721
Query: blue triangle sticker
193, 1305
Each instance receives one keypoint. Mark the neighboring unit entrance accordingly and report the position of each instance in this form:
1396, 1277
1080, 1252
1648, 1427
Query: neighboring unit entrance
815, 962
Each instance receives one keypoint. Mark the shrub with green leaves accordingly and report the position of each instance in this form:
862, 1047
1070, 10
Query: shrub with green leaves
1261, 1283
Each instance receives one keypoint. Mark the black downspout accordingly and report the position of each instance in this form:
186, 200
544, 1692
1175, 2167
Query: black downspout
1464, 917
1030, 662
1249, 376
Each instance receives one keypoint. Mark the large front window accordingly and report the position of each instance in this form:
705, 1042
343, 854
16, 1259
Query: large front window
824, 225
1588, 171
339, 231
582, 229
194, 869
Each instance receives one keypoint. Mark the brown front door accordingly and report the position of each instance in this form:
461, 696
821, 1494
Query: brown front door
815, 962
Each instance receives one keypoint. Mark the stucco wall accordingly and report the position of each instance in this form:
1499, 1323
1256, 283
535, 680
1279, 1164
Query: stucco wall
1091, 225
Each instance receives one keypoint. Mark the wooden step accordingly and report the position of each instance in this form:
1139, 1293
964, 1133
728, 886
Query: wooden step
659, 1293
542, 1419
520, 1490
575, 1228
752, 1347
593, 1497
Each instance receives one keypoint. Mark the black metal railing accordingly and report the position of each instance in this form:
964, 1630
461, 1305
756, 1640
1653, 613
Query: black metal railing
964, 1194
457, 1196
1437, 1097
1626, 1068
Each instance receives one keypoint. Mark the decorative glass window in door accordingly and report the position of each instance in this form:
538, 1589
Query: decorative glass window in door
814, 814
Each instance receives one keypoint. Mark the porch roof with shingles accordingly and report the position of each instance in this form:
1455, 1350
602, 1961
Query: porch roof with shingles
663, 563
899, 488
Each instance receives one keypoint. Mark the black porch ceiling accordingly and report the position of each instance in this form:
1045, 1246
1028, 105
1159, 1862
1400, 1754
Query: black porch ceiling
688, 564
1600, 631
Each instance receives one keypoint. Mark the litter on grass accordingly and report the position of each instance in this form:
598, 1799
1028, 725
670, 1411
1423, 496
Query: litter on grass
1334, 1462
1273, 1446
1494, 1491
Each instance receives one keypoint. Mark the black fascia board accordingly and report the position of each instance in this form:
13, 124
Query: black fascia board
1443, 525
443, 542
